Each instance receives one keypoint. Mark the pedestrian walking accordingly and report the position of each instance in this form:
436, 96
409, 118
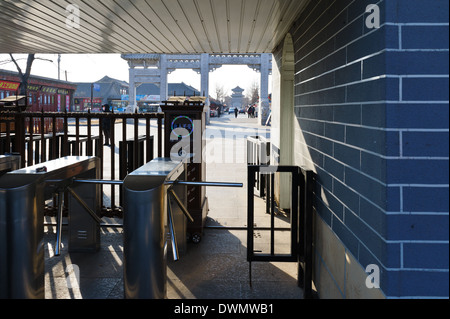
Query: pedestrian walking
251, 112
236, 112
106, 125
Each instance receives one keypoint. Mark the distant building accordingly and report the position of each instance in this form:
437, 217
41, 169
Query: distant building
44, 94
115, 93
149, 94
237, 98
106, 90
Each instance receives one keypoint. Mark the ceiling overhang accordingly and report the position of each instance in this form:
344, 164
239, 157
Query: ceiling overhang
145, 26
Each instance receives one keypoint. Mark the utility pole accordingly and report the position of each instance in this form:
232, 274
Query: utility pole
59, 68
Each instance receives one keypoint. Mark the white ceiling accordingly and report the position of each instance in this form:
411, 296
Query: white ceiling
146, 26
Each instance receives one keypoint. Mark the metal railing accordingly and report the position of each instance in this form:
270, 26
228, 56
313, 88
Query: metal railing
42, 136
258, 153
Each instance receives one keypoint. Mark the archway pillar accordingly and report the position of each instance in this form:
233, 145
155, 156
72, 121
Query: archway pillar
264, 104
204, 87
164, 84
132, 92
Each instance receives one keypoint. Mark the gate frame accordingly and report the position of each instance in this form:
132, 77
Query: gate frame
301, 222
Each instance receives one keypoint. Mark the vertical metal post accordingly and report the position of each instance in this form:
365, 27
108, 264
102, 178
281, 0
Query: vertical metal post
54, 140
250, 211
92, 97
272, 214
308, 234
149, 151
65, 151
250, 218
89, 150
266, 177
301, 234
20, 136
123, 157
295, 212
43, 140
37, 149
113, 160
136, 143
30, 142
100, 154
8, 137
77, 150
59, 218
160, 137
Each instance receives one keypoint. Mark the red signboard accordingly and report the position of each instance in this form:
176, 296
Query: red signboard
94, 100
11, 86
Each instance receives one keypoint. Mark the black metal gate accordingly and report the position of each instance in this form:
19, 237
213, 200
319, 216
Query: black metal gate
301, 224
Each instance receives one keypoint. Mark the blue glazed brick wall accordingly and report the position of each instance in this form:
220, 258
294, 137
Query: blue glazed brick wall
420, 227
372, 105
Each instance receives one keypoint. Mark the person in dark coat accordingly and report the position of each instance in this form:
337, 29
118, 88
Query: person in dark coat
249, 111
106, 125
236, 111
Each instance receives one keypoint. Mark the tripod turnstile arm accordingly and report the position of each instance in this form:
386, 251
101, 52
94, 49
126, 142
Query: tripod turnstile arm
173, 237
180, 204
85, 206
209, 184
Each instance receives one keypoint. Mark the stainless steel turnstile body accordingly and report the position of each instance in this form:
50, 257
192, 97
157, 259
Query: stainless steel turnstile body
145, 222
155, 199
9, 163
83, 230
22, 197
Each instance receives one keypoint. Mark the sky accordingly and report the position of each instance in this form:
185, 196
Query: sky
93, 67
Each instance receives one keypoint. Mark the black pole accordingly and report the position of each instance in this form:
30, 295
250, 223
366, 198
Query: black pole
92, 96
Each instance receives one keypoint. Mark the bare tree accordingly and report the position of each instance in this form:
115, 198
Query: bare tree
253, 94
227, 100
24, 76
220, 93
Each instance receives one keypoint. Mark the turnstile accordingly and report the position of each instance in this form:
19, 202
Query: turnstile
145, 222
155, 205
22, 197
